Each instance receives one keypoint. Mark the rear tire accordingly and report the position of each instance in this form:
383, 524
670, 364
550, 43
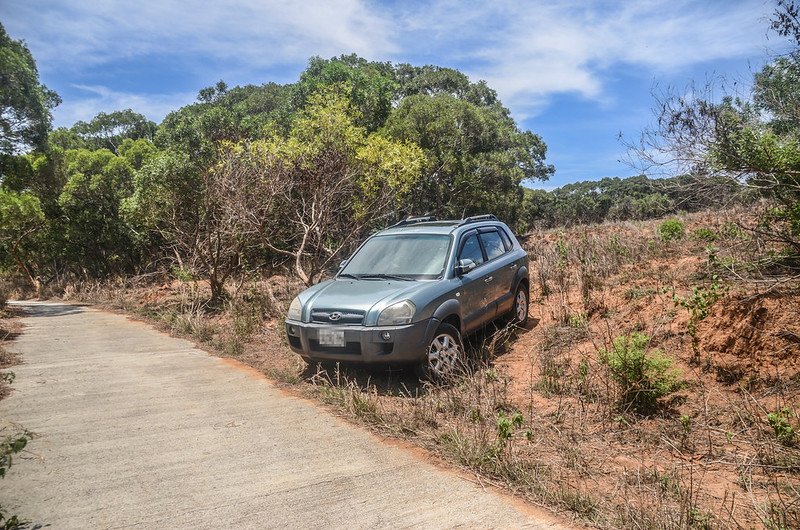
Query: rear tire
444, 356
519, 313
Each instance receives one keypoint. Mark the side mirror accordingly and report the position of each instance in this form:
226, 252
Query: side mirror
464, 266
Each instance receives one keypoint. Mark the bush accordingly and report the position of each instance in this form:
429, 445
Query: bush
705, 234
671, 230
643, 377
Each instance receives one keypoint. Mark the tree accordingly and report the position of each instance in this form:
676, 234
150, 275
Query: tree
753, 141
109, 130
476, 156
331, 181
371, 86
96, 240
25, 104
21, 219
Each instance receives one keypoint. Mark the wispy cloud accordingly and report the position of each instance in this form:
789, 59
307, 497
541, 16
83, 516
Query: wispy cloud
527, 50
257, 32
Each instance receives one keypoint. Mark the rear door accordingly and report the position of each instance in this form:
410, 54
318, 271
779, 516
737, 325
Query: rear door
477, 301
502, 268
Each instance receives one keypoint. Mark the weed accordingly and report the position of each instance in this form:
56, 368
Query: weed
552, 375
671, 230
705, 234
698, 304
577, 320
779, 421
643, 377
506, 425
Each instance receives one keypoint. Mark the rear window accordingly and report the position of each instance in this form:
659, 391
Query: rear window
493, 244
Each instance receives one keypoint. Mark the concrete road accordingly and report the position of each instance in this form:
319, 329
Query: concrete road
138, 429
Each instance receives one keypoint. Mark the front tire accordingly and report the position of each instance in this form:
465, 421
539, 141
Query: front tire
444, 356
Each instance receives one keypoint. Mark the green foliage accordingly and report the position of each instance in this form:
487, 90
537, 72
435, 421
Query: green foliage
643, 376
705, 234
506, 424
476, 156
96, 237
21, 221
107, 131
781, 426
633, 198
25, 104
278, 175
671, 230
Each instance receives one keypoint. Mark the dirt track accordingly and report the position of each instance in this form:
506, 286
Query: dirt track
138, 429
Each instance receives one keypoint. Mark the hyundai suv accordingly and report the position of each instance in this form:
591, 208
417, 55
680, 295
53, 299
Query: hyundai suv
411, 292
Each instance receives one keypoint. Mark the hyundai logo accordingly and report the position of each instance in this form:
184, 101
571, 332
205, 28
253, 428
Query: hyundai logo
335, 316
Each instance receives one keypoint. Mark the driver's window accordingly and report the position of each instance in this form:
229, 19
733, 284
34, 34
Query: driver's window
472, 250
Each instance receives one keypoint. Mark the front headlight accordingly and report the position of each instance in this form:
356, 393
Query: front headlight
295, 310
397, 314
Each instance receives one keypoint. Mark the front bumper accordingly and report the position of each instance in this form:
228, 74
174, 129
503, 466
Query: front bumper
364, 344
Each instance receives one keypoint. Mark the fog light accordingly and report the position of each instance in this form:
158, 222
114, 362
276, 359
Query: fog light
386, 336
292, 330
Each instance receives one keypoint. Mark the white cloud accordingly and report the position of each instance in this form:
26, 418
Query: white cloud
98, 99
530, 50
527, 50
77, 33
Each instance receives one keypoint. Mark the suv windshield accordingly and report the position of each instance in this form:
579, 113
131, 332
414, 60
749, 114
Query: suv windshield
406, 256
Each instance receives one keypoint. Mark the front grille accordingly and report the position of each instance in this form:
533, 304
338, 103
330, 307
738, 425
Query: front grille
350, 348
348, 316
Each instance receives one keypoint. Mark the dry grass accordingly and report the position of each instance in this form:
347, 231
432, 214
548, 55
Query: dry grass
539, 413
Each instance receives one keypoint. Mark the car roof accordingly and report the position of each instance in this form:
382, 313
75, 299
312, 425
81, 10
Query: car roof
441, 227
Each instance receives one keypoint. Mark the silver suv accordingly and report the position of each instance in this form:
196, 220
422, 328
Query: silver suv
409, 294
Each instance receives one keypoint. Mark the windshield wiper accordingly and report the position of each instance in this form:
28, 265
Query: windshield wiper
346, 275
384, 277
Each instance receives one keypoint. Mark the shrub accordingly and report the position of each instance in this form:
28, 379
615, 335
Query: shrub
643, 377
671, 230
779, 421
705, 234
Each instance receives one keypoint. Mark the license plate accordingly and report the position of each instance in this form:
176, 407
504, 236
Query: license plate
331, 337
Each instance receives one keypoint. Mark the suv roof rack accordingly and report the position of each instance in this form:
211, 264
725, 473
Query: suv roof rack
478, 218
413, 220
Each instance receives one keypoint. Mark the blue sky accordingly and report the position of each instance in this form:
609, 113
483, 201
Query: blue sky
578, 73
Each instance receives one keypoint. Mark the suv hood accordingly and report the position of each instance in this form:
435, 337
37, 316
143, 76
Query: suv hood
361, 295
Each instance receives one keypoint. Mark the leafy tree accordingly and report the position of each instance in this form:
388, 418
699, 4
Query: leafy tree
109, 130
25, 104
21, 219
97, 241
332, 181
476, 156
371, 86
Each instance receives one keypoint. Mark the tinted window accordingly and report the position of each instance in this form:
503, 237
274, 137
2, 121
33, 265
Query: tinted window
493, 244
506, 240
472, 250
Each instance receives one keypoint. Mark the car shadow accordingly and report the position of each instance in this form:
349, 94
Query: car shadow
482, 348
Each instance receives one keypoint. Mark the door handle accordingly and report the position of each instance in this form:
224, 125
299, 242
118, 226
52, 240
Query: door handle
488, 279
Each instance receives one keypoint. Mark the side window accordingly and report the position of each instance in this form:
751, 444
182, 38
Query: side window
472, 250
493, 244
506, 240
